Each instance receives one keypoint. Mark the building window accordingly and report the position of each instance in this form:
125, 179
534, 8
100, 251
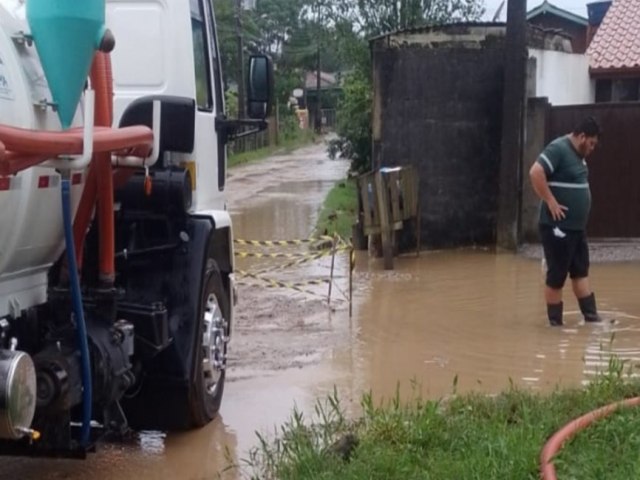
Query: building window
603, 91
201, 57
624, 90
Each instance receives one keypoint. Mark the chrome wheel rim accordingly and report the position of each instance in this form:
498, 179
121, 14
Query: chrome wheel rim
213, 344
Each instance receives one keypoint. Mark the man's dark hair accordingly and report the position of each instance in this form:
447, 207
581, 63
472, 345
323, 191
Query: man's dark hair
589, 126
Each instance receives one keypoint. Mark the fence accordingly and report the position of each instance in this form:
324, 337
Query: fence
329, 119
259, 140
614, 168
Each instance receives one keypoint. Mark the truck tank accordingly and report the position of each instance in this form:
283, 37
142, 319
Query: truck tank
31, 236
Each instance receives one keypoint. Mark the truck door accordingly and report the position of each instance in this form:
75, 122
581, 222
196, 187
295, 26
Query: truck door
209, 151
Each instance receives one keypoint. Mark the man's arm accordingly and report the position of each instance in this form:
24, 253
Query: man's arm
541, 187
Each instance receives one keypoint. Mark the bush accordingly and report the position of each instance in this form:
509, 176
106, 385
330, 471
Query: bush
354, 123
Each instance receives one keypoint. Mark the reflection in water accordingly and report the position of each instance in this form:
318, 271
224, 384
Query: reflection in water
199, 454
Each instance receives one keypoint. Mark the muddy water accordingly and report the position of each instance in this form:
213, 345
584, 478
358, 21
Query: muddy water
468, 315
476, 319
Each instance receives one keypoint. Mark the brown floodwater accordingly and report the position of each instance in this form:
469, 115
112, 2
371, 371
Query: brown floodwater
446, 321
477, 319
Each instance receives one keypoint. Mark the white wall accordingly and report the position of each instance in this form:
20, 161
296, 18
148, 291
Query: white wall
563, 77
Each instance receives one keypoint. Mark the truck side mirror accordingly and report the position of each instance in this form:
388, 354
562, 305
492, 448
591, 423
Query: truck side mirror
260, 87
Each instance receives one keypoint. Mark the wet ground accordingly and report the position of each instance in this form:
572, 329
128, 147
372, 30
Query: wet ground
470, 315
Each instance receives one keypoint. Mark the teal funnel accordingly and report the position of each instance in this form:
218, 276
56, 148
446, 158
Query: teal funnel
67, 34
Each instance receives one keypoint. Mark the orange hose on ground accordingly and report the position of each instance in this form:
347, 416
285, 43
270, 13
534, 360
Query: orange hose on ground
555, 443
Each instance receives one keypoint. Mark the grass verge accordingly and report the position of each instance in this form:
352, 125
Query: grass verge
465, 437
300, 139
339, 209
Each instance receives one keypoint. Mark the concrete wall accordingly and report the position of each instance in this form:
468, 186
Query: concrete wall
562, 77
535, 137
438, 106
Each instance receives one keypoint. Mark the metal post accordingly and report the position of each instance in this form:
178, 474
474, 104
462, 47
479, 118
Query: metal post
240, 72
352, 265
318, 113
333, 262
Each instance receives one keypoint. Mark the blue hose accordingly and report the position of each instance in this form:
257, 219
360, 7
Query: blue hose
76, 296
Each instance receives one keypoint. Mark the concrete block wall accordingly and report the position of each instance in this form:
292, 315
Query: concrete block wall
438, 106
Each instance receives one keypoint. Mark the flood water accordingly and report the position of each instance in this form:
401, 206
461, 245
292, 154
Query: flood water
479, 317
470, 315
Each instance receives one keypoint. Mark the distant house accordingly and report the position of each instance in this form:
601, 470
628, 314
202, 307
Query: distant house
330, 89
550, 17
615, 54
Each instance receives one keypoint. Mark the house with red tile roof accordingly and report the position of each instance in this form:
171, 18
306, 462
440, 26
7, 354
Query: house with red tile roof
615, 54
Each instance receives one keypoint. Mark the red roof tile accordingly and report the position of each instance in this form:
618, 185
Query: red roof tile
616, 44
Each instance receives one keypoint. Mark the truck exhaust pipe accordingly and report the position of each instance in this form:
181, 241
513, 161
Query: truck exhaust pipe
17, 394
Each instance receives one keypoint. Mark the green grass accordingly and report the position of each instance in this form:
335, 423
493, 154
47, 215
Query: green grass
338, 212
465, 437
288, 144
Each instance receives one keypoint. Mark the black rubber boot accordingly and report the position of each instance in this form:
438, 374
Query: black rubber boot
554, 312
588, 309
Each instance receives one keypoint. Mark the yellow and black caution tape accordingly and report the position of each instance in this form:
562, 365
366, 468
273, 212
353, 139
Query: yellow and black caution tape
311, 256
270, 255
283, 243
273, 283
295, 263
330, 246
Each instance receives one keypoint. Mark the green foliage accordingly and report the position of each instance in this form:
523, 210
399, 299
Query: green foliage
378, 17
354, 123
358, 20
339, 210
293, 31
231, 102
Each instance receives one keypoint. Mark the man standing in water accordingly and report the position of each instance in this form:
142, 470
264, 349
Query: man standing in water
560, 178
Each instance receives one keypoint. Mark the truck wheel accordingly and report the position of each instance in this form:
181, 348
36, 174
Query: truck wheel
210, 357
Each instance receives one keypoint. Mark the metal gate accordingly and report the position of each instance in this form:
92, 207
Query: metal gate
614, 168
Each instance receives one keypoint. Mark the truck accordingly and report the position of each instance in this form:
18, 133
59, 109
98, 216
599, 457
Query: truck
117, 280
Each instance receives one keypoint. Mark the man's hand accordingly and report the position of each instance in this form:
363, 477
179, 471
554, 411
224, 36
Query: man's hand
541, 187
557, 210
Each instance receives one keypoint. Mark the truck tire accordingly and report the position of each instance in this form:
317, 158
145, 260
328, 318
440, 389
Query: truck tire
208, 372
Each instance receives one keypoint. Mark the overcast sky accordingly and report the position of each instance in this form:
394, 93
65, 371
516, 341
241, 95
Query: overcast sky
573, 6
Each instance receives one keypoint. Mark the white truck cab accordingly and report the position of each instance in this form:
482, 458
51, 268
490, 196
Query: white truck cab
116, 247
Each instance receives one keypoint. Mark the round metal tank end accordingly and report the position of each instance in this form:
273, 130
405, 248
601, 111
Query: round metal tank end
18, 394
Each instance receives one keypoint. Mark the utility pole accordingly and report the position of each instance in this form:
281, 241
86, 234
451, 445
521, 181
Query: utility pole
318, 120
509, 196
240, 72
318, 112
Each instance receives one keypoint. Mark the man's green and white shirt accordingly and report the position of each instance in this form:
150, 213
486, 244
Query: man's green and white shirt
568, 177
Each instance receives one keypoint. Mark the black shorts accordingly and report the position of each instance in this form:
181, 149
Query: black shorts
564, 256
